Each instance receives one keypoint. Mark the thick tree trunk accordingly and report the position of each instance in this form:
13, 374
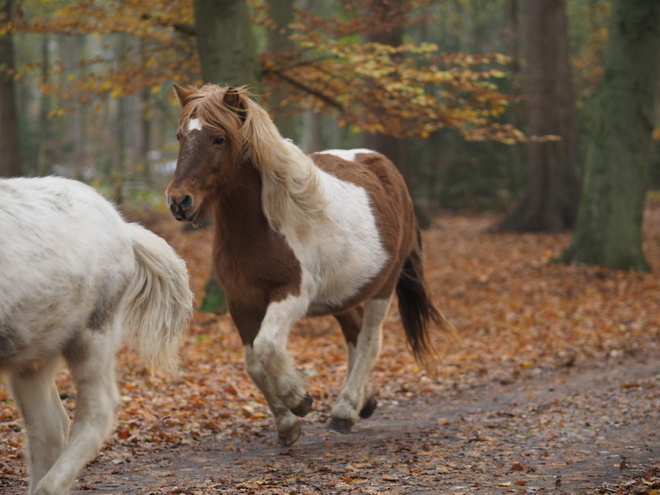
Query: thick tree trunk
228, 55
225, 42
43, 166
551, 195
392, 147
10, 156
610, 221
281, 13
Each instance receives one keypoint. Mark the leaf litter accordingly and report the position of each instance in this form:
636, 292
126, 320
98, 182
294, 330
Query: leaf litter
553, 386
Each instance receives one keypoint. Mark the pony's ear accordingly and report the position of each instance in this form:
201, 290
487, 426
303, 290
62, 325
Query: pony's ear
235, 99
182, 93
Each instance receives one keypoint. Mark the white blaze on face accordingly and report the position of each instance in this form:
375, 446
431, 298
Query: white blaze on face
194, 125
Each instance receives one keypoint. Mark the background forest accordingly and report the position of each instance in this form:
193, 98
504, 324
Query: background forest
527, 133
92, 85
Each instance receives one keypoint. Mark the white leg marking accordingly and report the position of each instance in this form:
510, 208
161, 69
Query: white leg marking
361, 360
285, 420
269, 365
270, 349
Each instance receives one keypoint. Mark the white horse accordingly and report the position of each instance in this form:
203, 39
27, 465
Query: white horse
73, 277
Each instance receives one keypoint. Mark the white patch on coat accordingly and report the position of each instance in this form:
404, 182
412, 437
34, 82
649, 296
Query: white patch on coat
194, 125
348, 155
361, 359
345, 252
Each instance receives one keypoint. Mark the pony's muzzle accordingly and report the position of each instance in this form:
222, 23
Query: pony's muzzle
181, 207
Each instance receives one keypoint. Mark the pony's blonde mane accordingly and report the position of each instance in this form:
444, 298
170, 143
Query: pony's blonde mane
292, 194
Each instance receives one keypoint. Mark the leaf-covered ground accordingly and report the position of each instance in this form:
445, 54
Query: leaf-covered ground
552, 387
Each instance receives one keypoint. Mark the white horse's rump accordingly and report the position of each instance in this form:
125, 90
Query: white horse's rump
73, 277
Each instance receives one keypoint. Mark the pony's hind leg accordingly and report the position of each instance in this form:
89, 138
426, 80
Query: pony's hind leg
97, 399
355, 399
351, 323
46, 421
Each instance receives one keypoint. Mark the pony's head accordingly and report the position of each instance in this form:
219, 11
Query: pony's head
221, 130
211, 146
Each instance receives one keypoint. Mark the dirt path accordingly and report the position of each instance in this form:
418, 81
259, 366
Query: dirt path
593, 429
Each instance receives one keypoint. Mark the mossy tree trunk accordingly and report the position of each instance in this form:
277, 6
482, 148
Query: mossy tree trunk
552, 188
228, 55
609, 229
10, 157
279, 43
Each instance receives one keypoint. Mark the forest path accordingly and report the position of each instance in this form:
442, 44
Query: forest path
564, 431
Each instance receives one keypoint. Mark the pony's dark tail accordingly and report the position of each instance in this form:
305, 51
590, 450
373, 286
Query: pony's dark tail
416, 308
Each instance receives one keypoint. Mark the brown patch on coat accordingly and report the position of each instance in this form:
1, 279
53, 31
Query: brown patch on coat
392, 209
255, 265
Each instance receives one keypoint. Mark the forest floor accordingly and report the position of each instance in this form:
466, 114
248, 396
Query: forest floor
553, 387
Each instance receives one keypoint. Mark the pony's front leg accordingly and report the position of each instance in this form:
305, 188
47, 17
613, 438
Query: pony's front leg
46, 421
273, 371
354, 401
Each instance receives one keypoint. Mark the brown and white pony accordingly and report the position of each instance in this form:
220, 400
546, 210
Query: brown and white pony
297, 235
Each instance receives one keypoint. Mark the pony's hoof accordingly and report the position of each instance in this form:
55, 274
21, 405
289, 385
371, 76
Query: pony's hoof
304, 407
340, 425
290, 437
369, 408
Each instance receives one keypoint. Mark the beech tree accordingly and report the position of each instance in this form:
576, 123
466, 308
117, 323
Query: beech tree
10, 159
609, 226
228, 55
551, 194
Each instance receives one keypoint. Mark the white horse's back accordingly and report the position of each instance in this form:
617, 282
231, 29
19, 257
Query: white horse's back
63, 250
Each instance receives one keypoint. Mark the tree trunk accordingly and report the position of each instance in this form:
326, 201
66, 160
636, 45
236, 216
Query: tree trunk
10, 156
392, 147
228, 55
389, 146
281, 13
610, 221
43, 165
551, 195
312, 136
225, 42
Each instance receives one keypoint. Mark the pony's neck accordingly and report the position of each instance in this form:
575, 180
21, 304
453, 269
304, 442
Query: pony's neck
238, 205
292, 191
293, 197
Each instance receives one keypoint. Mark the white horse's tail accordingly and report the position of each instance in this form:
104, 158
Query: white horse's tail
158, 299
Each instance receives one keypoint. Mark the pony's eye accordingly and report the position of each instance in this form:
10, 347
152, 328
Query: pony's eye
219, 140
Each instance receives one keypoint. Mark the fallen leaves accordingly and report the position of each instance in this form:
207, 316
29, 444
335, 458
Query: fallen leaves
518, 318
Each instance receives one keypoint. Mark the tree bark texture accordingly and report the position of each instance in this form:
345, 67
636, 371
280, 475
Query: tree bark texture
392, 147
552, 187
281, 13
225, 42
10, 156
618, 156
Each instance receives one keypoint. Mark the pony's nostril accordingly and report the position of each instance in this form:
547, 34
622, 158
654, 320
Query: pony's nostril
186, 202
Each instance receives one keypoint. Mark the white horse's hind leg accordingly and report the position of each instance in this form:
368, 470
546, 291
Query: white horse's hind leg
96, 405
46, 421
352, 400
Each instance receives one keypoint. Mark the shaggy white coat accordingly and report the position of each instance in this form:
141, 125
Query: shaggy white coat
74, 276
